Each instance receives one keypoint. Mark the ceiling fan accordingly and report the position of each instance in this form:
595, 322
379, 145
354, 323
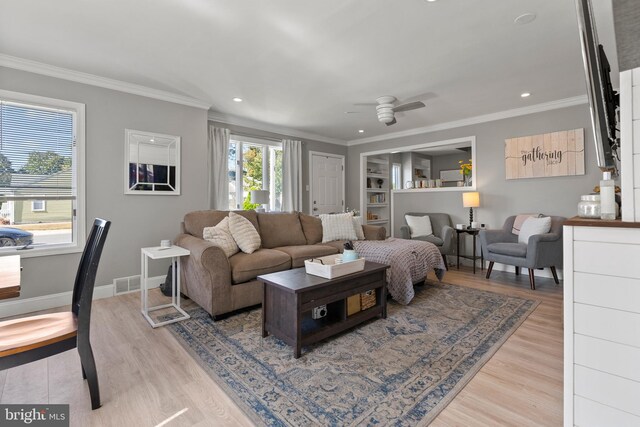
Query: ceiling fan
386, 109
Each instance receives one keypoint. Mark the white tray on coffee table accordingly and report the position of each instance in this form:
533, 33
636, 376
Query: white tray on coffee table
328, 268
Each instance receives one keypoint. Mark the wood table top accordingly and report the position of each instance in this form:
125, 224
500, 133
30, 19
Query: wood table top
297, 280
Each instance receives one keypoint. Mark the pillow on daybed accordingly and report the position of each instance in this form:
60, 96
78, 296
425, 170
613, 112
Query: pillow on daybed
419, 226
533, 226
337, 227
221, 237
244, 233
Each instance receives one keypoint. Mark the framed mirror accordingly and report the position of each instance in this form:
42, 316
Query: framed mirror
152, 163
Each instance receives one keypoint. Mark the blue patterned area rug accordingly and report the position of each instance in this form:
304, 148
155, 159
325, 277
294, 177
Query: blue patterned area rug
401, 371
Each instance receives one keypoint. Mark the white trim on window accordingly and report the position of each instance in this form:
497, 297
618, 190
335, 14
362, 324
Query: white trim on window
41, 208
78, 177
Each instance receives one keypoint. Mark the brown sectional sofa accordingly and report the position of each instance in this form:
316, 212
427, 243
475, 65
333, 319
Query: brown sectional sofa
222, 285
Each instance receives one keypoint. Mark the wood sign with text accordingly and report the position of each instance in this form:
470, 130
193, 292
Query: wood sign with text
550, 154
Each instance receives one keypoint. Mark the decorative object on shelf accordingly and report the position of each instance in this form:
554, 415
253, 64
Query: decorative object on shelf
607, 197
465, 171
369, 183
380, 182
471, 200
152, 163
549, 154
260, 197
589, 206
408, 184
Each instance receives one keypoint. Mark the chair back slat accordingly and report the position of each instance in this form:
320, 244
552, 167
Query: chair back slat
86, 275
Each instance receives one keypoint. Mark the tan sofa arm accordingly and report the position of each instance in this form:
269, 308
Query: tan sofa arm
374, 232
206, 274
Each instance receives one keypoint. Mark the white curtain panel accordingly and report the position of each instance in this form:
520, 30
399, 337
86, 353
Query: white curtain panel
291, 175
218, 154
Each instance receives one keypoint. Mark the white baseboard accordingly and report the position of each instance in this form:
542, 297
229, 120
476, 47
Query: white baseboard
538, 273
45, 302
507, 268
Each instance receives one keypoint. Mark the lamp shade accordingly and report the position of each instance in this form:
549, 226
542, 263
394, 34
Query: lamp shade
260, 197
471, 200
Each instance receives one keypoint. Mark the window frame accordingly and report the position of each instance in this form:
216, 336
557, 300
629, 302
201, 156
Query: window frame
240, 141
42, 209
78, 161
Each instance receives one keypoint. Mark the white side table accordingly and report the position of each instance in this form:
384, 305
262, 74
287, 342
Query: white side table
173, 252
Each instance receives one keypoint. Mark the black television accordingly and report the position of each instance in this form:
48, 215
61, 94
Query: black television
603, 100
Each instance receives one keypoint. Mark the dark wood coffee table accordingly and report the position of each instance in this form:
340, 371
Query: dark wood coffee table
289, 298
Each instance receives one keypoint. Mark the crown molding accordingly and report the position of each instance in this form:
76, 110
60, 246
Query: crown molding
93, 80
239, 121
531, 109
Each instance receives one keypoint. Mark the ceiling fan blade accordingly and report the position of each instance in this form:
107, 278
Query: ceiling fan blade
410, 106
393, 122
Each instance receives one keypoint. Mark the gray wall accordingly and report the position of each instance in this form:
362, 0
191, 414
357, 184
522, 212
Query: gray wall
137, 221
499, 198
307, 145
448, 162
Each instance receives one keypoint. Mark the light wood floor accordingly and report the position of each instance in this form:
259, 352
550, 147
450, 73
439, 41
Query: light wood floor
146, 377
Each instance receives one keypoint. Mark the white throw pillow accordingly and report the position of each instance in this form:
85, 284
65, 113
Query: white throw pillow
244, 233
221, 237
337, 227
533, 226
357, 225
419, 226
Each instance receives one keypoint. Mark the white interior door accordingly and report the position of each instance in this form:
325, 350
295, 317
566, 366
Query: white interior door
327, 183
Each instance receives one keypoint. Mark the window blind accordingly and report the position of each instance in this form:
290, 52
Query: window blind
36, 153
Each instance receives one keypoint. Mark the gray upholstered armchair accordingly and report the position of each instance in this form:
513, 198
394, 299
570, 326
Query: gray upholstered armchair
542, 250
442, 233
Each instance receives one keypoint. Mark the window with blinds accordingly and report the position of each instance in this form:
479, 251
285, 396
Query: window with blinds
38, 175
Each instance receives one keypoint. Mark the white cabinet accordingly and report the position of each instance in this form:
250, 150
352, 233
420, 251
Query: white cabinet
375, 194
602, 324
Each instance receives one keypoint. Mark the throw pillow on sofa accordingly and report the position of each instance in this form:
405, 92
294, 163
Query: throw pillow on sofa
419, 226
337, 227
357, 225
221, 237
533, 226
244, 233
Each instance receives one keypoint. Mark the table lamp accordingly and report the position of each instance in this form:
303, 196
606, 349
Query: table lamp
471, 200
260, 197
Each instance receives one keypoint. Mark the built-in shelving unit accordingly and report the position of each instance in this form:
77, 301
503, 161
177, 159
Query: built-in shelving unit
377, 182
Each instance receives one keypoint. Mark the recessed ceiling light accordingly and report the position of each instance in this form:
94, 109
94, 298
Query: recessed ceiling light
431, 1
361, 131
525, 18
237, 99
525, 95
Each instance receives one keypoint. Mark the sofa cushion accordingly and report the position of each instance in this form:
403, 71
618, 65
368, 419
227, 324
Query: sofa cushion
280, 229
337, 227
244, 233
220, 235
195, 222
312, 228
300, 253
357, 226
337, 244
245, 267
509, 249
431, 239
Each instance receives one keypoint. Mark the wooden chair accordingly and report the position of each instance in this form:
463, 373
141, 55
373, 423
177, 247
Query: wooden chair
33, 338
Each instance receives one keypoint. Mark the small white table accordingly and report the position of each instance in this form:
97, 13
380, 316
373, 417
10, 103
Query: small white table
173, 252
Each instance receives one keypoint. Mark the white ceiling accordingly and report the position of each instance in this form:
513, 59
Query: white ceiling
301, 64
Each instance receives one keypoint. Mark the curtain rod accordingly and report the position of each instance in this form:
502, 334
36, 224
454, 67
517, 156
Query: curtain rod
268, 138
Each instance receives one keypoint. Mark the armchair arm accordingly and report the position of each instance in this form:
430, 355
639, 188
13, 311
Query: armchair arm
405, 232
545, 250
374, 232
447, 238
206, 274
